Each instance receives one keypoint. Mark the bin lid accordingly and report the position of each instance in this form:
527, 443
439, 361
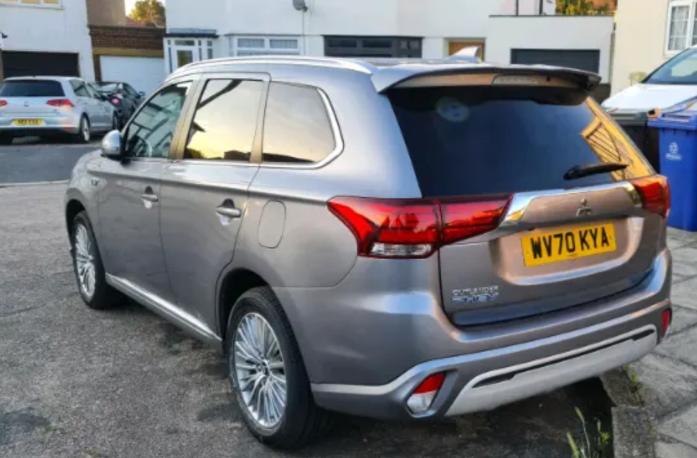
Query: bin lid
683, 117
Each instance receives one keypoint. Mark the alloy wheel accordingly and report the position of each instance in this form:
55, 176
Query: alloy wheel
84, 260
260, 370
85, 130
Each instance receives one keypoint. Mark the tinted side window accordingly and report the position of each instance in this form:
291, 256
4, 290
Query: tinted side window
297, 128
80, 89
225, 121
151, 131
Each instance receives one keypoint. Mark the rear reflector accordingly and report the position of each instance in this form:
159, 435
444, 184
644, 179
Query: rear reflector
3, 103
422, 397
415, 228
655, 194
666, 321
60, 103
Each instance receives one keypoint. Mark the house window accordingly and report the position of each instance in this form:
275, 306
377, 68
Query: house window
680, 25
259, 45
41, 3
347, 46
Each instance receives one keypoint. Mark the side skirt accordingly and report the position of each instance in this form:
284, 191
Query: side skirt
195, 327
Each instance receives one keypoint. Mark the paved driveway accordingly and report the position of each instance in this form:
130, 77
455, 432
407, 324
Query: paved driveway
31, 160
76, 382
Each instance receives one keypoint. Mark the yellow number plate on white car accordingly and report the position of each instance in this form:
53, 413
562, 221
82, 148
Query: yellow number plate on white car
28, 122
563, 244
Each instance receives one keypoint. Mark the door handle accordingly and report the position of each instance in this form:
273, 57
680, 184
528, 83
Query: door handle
228, 210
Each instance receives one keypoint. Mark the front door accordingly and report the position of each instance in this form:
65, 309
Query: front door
129, 198
204, 195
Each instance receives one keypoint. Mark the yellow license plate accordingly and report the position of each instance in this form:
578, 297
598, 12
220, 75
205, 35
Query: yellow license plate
563, 244
28, 122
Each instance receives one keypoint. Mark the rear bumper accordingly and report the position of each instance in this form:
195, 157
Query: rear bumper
487, 380
68, 124
369, 353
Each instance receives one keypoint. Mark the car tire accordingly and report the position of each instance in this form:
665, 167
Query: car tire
300, 420
6, 139
88, 267
84, 131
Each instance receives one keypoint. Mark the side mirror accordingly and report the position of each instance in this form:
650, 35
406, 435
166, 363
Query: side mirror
112, 145
141, 94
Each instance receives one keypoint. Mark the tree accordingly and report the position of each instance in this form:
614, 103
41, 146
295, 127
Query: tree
149, 12
581, 8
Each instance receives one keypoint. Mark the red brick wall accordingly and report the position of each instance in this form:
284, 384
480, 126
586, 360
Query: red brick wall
127, 37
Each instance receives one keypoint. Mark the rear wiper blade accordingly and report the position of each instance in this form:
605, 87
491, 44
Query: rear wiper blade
580, 171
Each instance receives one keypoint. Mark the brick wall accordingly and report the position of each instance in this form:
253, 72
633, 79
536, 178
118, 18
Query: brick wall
141, 38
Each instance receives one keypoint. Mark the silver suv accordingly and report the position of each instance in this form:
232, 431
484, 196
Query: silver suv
403, 241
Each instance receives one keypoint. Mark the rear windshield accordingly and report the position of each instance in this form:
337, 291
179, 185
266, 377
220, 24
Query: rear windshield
489, 140
31, 88
107, 87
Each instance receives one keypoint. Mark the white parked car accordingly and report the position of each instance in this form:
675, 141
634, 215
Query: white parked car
49, 106
669, 87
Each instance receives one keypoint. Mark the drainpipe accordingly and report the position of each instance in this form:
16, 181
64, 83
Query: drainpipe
2, 73
517, 7
542, 7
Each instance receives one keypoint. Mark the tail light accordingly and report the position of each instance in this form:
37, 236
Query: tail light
3, 103
116, 100
424, 394
415, 228
666, 321
655, 194
60, 103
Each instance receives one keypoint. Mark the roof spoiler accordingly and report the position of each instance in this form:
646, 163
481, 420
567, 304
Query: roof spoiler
424, 75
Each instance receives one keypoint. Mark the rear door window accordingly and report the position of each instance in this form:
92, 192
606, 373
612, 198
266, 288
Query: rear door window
31, 88
488, 140
225, 121
80, 88
297, 128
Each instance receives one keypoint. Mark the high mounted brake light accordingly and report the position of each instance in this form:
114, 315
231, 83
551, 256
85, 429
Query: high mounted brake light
415, 228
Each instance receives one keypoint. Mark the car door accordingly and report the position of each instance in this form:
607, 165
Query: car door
103, 110
86, 103
204, 194
129, 207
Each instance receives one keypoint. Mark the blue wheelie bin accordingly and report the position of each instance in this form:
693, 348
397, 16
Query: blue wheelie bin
678, 159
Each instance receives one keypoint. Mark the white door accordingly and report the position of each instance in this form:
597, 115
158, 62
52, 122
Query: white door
143, 73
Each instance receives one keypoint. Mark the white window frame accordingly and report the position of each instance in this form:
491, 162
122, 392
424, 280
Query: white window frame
235, 48
202, 48
692, 5
58, 4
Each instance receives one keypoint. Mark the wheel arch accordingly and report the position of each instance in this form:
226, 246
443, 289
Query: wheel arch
72, 208
232, 285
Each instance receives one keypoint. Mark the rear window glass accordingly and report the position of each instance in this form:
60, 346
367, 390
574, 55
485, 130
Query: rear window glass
488, 140
31, 88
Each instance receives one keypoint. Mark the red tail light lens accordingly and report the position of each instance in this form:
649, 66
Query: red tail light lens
655, 194
666, 321
415, 228
424, 394
60, 103
3, 103
116, 101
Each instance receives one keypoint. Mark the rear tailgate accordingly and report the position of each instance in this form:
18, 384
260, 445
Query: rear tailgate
27, 99
564, 240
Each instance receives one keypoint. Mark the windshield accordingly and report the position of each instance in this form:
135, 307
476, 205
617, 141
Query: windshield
489, 140
681, 69
107, 87
31, 88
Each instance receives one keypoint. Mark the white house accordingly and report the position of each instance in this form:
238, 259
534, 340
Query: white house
523, 31
46, 37
649, 32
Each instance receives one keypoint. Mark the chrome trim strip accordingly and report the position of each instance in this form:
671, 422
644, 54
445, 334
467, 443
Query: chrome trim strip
521, 201
164, 308
546, 374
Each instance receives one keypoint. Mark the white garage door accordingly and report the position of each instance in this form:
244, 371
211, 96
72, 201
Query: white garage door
143, 73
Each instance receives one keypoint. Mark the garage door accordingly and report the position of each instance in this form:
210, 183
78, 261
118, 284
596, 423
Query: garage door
143, 73
16, 63
588, 60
